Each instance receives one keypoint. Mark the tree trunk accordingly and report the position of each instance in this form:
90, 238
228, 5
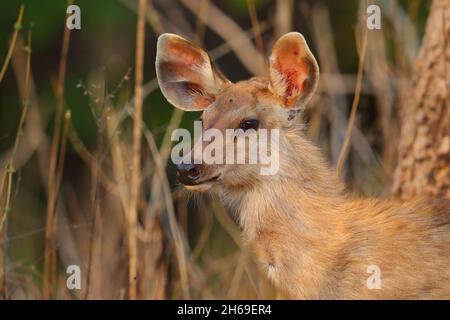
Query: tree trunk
424, 156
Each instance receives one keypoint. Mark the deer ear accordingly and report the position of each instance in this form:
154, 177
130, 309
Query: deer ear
186, 75
293, 71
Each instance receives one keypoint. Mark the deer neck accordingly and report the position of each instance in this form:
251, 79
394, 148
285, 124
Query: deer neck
294, 218
304, 189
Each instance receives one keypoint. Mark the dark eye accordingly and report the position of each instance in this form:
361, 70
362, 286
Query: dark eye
249, 124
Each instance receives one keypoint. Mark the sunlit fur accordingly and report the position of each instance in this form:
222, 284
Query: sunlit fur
314, 239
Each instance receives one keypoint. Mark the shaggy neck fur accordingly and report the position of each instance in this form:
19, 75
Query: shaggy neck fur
291, 220
304, 184
315, 242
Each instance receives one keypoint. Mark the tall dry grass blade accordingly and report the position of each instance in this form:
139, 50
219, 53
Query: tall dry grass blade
3, 235
237, 275
380, 72
257, 34
204, 233
179, 241
229, 30
200, 26
25, 102
62, 153
17, 27
226, 47
94, 224
136, 153
100, 107
337, 105
35, 140
58, 177
6, 183
52, 194
154, 19
355, 104
283, 17
160, 157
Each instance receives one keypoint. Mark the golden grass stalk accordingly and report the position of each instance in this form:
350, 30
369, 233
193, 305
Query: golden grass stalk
65, 133
351, 121
17, 27
257, 34
159, 194
52, 192
200, 26
154, 19
95, 220
136, 153
231, 32
7, 179
284, 12
179, 241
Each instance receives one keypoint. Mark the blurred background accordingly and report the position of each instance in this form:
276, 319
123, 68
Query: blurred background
66, 137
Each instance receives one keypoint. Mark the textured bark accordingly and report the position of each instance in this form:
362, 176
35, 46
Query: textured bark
424, 155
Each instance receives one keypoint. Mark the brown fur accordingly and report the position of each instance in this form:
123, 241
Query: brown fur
313, 239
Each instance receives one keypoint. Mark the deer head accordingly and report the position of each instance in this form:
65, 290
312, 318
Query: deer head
190, 81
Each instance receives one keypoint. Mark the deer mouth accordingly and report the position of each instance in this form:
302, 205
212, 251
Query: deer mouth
203, 185
208, 180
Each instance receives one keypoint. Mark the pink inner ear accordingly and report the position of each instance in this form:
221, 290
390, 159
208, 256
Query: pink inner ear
186, 59
294, 72
185, 53
293, 69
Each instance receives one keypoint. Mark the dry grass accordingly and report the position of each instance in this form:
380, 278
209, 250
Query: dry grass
355, 104
7, 180
17, 27
55, 172
132, 233
136, 152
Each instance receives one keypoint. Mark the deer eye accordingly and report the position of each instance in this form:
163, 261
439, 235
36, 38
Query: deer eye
249, 124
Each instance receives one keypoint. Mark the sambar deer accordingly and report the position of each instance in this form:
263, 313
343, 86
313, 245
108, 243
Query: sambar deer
313, 239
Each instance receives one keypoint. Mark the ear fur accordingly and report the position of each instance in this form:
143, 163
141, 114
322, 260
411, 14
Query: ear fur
186, 75
293, 71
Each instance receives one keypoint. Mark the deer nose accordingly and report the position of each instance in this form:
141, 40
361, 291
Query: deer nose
188, 174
